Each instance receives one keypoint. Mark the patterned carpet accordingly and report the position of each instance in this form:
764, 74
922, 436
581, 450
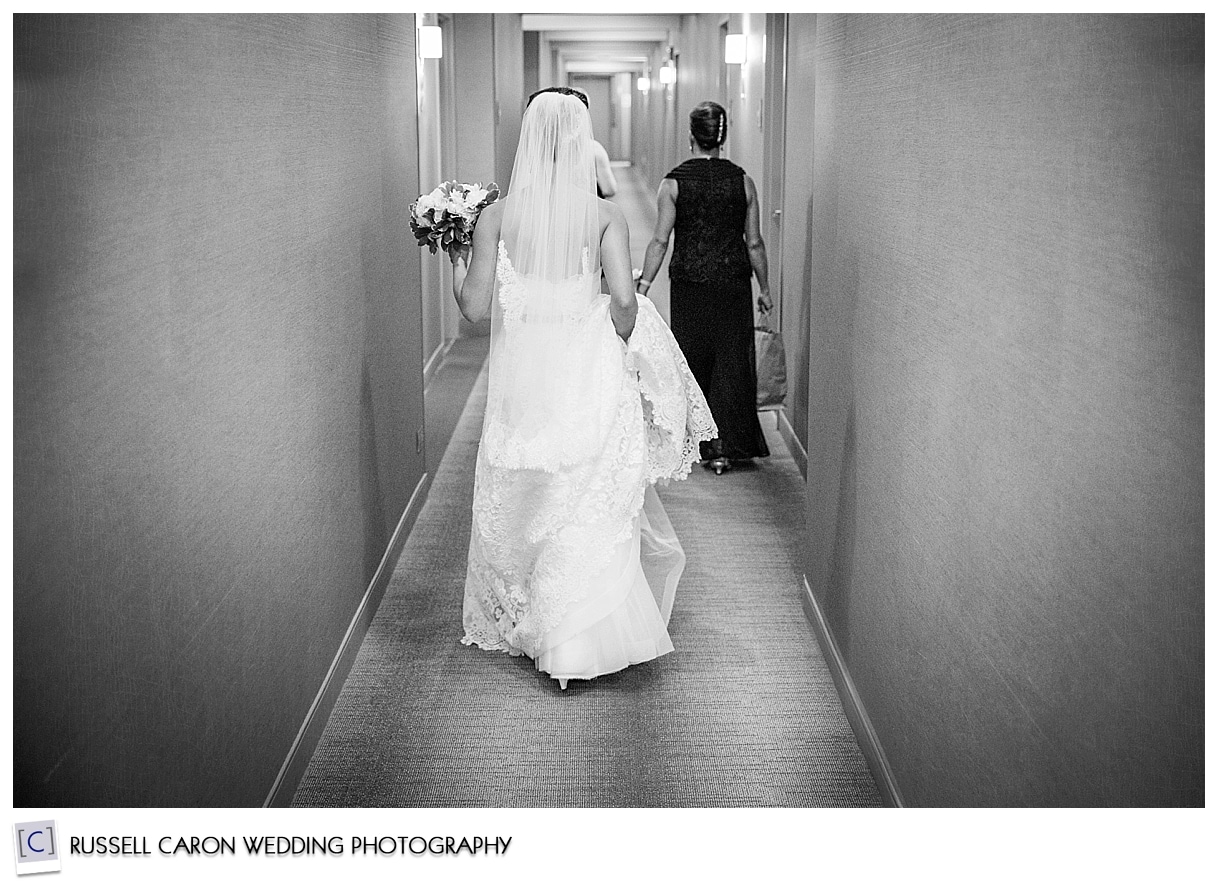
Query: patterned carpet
744, 713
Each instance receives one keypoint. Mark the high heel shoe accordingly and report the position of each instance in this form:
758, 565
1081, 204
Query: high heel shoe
713, 457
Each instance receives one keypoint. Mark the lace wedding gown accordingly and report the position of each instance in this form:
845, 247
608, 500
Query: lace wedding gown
572, 559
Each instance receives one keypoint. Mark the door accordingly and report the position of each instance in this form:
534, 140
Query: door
774, 141
599, 90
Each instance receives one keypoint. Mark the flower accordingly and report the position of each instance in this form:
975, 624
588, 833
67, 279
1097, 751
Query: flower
457, 205
445, 217
433, 201
475, 194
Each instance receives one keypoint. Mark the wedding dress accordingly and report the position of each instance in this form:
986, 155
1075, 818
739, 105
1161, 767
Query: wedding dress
572, 559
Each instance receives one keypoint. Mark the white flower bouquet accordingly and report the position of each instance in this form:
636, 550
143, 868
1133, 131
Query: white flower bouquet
445, 217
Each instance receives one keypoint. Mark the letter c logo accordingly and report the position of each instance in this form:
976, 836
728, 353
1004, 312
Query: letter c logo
29, 841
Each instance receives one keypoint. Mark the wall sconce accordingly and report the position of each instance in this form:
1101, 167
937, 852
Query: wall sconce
668, 74
734, 50
644, 84
431, 42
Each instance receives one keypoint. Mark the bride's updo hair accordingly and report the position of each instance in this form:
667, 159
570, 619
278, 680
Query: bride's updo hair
708, 125
561, 90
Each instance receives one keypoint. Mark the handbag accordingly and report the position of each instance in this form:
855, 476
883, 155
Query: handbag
771, 368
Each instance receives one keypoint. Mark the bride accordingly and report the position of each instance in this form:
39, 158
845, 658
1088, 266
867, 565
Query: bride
572, 560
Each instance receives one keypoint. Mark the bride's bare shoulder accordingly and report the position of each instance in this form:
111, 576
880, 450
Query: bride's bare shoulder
489, 222
494, 210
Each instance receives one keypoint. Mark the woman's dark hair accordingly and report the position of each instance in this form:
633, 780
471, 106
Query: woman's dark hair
561, 90
708, 125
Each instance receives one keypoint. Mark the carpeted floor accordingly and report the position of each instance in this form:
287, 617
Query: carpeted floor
744, 713
445, 396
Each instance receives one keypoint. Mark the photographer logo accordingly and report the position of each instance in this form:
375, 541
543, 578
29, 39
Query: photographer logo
36, 847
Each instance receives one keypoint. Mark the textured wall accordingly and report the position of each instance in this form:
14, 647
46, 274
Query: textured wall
508, 59
473, 63
436, 285
532, 76
217, 386
1005, 461
796, 253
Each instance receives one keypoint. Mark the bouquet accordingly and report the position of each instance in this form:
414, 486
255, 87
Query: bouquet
445, 217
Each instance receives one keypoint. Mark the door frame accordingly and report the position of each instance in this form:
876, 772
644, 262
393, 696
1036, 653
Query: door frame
774, 125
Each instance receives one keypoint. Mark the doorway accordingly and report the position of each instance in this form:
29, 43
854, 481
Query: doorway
599, 90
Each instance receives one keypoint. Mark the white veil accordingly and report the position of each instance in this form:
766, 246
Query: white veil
552, 367
551, 219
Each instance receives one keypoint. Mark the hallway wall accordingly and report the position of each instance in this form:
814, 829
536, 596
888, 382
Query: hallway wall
431, 116
1005, 457
796, 247
217, 386
653, 113
744, 95
473, 67
507, 56
699, 75
488, 80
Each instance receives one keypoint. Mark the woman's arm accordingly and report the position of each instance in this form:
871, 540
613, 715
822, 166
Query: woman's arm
615, 263
666, 218
604, 171
757, 256
474, 277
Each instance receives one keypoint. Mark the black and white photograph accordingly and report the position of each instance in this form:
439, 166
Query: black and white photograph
577, 410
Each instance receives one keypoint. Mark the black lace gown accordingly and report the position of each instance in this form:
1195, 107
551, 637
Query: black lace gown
712, 299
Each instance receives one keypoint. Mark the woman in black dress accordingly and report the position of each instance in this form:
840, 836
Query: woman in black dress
711, 204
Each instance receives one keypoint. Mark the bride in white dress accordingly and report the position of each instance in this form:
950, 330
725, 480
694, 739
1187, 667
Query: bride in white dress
572, 560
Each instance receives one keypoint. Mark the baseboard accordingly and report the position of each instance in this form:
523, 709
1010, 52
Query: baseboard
437, 358
797, 449
314, 724
864, 732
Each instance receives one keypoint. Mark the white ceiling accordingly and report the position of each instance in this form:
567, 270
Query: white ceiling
603, 43
638, 21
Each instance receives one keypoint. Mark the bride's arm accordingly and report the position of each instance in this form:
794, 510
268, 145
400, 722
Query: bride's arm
474, 275
615, 262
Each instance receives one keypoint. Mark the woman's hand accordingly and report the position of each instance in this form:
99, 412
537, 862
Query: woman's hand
460, 257
764, 303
